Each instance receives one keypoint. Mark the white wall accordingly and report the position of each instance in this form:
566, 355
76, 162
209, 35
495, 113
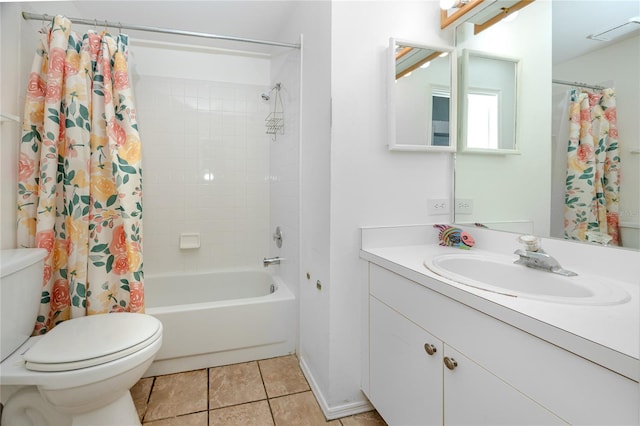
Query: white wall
618, 63
16, 55
369, 184
313, 20
515, 187
9, 131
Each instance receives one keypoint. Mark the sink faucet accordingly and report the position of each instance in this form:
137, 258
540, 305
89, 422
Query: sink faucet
534, 257
271, 261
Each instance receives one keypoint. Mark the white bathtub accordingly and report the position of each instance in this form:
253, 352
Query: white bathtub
220, 318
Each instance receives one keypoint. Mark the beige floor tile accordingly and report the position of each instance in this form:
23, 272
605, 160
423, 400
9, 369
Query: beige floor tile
177, 394
300, 409
251, 414
235, 384
282, 376
370, 418
140, 394
195, 419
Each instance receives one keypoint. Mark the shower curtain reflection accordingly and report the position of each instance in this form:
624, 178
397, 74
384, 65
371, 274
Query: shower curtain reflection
559, 138
593, 165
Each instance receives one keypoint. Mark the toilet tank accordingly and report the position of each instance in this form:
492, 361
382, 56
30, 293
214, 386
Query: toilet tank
20, 292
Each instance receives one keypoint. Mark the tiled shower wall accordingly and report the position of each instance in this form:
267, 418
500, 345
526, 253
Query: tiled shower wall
206, 171
284, 169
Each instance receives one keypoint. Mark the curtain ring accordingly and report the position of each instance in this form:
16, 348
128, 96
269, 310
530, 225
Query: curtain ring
45, 22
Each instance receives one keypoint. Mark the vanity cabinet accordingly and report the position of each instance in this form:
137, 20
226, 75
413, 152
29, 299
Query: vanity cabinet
410, 383
473, 395
405, 380
503, 374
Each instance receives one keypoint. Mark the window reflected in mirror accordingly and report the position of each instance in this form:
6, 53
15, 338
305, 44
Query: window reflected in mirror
440, 121
482, 120
490, 103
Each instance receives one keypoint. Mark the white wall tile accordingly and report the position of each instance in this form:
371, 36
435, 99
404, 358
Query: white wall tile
205, 160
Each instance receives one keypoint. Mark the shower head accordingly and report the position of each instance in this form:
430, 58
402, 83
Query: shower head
267, 95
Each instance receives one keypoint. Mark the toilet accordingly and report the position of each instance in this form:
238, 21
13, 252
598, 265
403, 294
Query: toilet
80, 372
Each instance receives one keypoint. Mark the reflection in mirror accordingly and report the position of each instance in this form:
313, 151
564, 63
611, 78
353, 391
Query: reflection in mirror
440, 116
489, 103
507, 192
610, 59
526, 193
482, 119
420, 98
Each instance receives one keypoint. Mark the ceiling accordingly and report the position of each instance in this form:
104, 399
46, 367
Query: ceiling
574, 20
260, 19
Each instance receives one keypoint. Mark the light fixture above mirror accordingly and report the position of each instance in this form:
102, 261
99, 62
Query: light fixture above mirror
482, 13
450, 4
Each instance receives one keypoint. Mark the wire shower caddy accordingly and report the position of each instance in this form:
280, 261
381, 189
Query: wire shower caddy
274, 123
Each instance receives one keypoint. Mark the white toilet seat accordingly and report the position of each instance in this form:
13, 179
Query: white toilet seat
92, 340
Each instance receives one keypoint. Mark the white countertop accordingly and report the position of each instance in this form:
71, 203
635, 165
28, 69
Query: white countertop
607, 335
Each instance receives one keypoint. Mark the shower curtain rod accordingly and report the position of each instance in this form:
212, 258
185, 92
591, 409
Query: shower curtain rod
578, 84
120, 25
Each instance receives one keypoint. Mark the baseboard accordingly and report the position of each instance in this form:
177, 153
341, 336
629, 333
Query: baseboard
337, 411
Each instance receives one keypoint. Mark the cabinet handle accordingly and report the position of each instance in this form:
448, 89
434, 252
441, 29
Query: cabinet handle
430, 348
450, 363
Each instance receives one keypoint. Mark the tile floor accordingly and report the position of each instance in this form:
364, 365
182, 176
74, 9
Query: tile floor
266, 392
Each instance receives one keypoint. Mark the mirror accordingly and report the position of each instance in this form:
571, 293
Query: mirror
511, 192
515, 193
488, 103
421, 97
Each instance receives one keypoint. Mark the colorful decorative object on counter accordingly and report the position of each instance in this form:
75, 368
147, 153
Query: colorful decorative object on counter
454, 237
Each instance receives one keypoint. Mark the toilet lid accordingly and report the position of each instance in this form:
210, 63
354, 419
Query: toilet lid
92, 340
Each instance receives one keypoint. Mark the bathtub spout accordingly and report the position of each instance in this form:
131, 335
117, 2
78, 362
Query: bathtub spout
271, 260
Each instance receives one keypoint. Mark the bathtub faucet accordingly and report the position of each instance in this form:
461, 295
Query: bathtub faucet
271, 260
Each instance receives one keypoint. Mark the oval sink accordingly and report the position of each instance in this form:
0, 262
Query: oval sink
500, 275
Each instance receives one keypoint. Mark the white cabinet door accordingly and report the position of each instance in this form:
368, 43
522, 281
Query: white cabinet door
474, 396
405, 381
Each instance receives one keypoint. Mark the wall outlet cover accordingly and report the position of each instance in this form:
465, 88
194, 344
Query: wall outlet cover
464, 206
438, 206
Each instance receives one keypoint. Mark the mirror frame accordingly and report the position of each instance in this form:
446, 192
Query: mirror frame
390, 60
465, 88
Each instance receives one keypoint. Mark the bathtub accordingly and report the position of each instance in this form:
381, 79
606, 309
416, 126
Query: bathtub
219, 318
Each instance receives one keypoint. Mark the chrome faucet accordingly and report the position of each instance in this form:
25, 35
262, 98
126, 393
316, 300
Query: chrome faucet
534, 257
271, 261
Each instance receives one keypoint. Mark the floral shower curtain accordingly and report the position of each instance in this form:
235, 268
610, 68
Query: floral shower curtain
80, 182
593, 168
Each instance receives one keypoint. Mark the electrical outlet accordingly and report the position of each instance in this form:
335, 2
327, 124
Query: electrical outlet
464, 205
438, 206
